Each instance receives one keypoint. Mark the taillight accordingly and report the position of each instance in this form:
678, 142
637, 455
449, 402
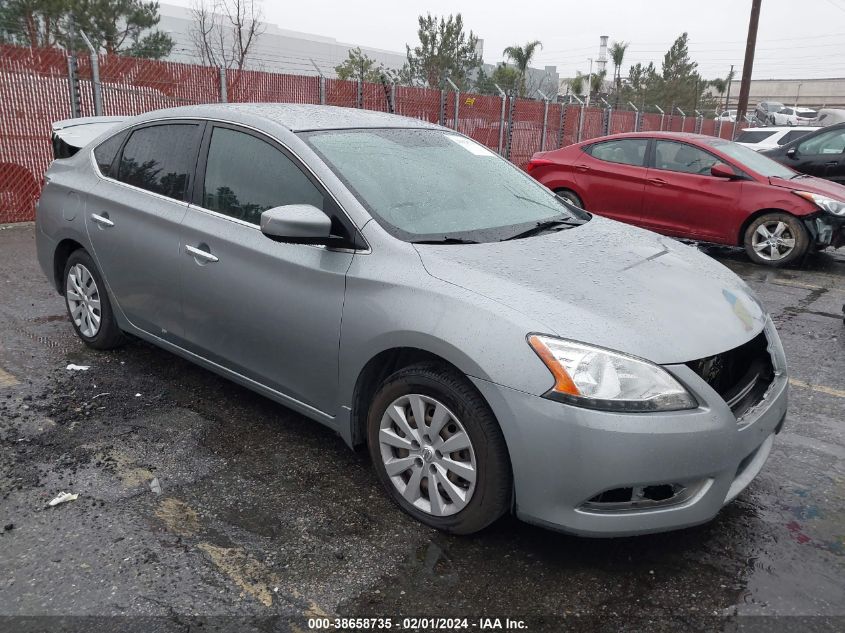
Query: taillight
537, 162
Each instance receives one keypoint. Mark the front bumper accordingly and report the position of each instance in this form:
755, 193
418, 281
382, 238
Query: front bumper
826, 230
562, 456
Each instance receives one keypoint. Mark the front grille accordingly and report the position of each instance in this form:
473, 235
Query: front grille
648, 497
741, 375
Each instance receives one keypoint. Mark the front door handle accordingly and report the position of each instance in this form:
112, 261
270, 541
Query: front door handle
199, 253
657, 182
582, 167
102, 220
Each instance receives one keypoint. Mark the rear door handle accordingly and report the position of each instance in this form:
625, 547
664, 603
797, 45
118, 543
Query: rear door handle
199, 253
582, 167
102, 220
658, 182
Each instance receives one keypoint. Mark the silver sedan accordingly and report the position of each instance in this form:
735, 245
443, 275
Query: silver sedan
495, 348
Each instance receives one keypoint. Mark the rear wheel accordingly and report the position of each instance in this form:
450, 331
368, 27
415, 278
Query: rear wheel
571, 197
88, 303
776, 239
438, 449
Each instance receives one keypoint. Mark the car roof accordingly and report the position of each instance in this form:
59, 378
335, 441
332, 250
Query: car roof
676, 136
781, 128
296, 117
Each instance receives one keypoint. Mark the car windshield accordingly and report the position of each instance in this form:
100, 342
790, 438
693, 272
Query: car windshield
754, 161
431, 185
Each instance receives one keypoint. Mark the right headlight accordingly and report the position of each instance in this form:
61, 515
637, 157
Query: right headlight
598, 378
836, 207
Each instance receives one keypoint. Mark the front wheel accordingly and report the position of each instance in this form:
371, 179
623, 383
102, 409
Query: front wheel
438, 449
88, 303
776, 239
571, 197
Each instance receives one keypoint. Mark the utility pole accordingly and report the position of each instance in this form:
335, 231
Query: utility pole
748, 64
590, 81
728, 95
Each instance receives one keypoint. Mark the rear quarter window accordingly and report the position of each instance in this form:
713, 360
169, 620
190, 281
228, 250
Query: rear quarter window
105, 152
754, 136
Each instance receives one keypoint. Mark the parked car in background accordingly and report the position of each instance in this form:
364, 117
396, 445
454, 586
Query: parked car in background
765, 109
792, 116
762, 138
500, 349
728, 116
820, 153
829, 116
701, 188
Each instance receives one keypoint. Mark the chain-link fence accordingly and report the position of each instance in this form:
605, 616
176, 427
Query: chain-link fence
40, 86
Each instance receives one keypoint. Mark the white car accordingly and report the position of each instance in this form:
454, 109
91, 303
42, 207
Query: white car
792, 116
762, 138
728, 116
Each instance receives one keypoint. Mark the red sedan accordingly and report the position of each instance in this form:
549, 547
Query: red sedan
701, 188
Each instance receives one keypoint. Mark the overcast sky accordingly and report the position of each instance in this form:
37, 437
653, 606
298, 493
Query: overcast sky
797, 38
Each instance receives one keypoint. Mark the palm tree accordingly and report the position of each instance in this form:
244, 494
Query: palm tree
596, 82
521, 56
577, 84
617, 56
721, 85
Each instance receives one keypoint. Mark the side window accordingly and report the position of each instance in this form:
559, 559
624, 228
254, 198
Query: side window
832, 142
245, 176
160, 159
106, 151
626, 151
683, 158
791, 136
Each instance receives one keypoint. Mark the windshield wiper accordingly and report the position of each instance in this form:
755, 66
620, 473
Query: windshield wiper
445, 240
542, 227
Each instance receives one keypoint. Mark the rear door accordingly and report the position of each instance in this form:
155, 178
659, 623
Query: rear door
822, 155
682, 198
133, 216
267, 310
611, 175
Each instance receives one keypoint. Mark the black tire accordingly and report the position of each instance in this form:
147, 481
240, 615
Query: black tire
109, 335
795, 230
491, 496
570, 196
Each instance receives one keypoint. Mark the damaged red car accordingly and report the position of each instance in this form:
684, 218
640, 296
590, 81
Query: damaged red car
700, 188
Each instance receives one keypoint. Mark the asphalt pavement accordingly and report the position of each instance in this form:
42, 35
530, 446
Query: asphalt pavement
266, 519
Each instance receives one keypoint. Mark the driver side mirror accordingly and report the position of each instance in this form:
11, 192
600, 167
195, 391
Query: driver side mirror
297, 223
720, 170
792, 152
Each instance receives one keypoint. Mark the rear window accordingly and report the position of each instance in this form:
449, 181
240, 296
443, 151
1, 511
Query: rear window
754, 136
808, 114
791, 136
106, 151
160, 158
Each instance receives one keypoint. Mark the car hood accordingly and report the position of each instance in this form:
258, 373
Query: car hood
813, 185
612, 285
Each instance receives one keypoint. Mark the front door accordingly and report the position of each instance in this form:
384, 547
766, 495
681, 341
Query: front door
133, 216
267, 310
683, 199
822, 156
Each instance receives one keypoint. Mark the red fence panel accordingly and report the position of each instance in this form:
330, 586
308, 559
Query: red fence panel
527, 127
651, 122
553, 127
479, 117
249, 86
341, 93
622, 121
593, 123
689, 124
418, 103
708, 126
571, 117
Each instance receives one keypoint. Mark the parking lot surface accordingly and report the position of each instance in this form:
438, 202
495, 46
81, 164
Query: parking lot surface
264, 513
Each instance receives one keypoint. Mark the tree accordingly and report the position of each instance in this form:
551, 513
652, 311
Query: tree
721, 85
521, 56
360, 66
596, 82
576, 84
617, 56
680, 77
116, 26
445, 50
504, 76
224, 31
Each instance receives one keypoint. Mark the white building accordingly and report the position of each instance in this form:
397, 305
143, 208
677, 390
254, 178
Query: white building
284, 51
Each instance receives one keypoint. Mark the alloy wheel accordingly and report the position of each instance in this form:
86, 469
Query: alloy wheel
83, 299
773, 240
428, 454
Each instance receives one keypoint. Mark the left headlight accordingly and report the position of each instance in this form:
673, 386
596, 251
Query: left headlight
597, 378
836, 207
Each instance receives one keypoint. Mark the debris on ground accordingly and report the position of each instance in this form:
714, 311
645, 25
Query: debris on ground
155, 486
63, 497
74, 367
8, 527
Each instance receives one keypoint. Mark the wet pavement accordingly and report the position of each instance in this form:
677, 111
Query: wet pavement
264, 513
